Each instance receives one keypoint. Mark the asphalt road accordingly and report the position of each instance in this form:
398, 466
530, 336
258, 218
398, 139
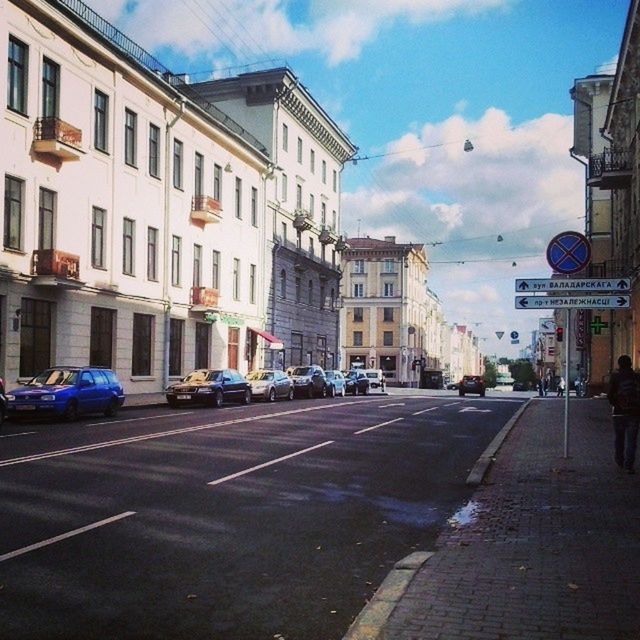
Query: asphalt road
267, 521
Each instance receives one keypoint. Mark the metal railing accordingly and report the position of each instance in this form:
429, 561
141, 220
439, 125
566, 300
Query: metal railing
610, 160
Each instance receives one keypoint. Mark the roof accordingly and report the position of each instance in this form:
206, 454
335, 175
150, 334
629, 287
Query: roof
373, 243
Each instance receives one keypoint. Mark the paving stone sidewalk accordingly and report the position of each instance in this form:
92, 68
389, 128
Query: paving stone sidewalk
553, 551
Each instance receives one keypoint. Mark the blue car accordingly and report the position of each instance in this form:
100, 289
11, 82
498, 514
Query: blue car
67, 392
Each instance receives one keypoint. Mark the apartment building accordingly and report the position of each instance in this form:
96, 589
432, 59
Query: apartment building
384, 314
304, 245
134, 213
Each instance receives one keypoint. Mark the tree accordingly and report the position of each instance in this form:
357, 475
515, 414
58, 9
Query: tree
522, 371
490, 373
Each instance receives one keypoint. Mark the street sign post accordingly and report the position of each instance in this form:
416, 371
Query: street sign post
621, 301
571, 285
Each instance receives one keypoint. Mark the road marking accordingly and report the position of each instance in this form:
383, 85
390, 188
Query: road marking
452, 404
417, 413
233, 476
64, 536
395, 404
474, 409
13, 435
377, 426
162, 415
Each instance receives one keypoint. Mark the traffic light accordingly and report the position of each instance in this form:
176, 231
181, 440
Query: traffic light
559, 334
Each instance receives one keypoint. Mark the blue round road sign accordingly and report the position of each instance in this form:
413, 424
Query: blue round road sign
514, 335
569, 252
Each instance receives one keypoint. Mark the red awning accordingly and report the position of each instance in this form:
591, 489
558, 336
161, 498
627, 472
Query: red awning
274, 343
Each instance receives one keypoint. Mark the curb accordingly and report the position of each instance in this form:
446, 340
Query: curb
371, 620
480, 468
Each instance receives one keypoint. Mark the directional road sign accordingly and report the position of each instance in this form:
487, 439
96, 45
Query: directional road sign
569, 252
569, 285
514, 335
573, 302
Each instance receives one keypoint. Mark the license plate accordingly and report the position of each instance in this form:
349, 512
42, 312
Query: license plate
26, 407
184, 396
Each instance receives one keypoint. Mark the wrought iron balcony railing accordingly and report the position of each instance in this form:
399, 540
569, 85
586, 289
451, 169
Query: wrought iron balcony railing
610, 169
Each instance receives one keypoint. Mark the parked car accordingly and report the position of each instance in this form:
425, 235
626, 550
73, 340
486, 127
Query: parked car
471, 384
269, 384
376, 378
357, 382
453, 386
68, 392
520, 386
309, 381
3, 402
336, 384
210, 387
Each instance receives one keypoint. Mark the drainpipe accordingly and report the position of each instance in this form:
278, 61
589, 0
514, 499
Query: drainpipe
166, 299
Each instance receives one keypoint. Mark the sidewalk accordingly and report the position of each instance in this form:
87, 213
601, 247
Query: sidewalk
552, 549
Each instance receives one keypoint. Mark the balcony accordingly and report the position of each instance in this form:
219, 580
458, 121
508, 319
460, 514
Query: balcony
55, 268
206, 209
341, 244
204, 299
303, 220
610, 169
328, 236
57, 138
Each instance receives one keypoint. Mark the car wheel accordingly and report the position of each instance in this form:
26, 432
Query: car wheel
323, 393
218, 399
355, 390
332, 391
366, 391
272, 395
247, 397
71, 411
343, 392
310, 391
173, 403
112, 409
291, 394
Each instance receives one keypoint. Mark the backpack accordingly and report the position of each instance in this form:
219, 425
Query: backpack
628, 394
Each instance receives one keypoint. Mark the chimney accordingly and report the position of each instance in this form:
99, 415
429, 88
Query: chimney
390, 239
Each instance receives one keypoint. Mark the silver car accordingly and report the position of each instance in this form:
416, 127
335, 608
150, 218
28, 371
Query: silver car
269, 384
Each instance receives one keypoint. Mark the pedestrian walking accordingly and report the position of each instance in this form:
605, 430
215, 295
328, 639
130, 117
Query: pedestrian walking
624, 397
545, 385
540, 387
561, 387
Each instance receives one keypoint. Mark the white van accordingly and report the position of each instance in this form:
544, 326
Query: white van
376, 378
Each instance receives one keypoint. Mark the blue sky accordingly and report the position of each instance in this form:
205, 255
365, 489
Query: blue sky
413, 79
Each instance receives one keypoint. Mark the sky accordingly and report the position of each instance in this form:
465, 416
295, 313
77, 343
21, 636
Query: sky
409, 81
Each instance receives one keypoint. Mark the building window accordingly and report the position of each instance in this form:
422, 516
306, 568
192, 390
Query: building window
46, 219
176, 330
202, 345
13, 207
130, 135
310, 293
98, 223
50, 88
236, 279
154, 151
284, 233
152, 254
254, 206
252, 284
298, 288
215, 270
217, 182
298, 196
387, 338
296, 348
285, 137
333, 299
198, 174
283, 284
285, 187
197, 265
35, 336
323, 213
233, 347
300, 150
312, 160
324, 172
141, 347
238, 198
176, 258
358, 290
388, 290
312, 250
358, 266
312, 204
334, 220
357, 338
17, 76
335, 181
177, 164
128, 240
323, 293
387, 314
321, 343
101, 341
389, 266
358, 314
100, 121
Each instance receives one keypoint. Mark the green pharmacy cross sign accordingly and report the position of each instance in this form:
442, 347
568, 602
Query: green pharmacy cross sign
597, 325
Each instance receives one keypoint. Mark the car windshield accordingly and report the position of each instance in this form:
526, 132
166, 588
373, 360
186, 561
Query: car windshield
330, 375
372, 374
301, 371
260, 375
202, 375
62, 377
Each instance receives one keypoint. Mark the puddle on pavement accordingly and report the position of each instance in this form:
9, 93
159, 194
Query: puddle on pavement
465, 515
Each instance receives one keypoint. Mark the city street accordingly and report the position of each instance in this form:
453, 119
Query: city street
265, 521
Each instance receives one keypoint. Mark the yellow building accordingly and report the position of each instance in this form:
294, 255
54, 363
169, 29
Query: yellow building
384, 296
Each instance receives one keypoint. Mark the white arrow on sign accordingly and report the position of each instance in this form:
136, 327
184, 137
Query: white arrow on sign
573, 302
473, 409
570, 285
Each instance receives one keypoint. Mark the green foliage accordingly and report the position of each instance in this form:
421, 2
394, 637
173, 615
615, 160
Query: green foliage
522, 371
490, 374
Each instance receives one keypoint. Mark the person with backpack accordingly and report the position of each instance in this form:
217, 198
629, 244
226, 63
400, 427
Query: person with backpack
624, 396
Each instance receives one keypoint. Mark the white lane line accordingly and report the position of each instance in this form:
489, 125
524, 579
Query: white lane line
233, 476
161, 415
417, 413
394, 404
377, 426
452, 404
64, 536
15, 435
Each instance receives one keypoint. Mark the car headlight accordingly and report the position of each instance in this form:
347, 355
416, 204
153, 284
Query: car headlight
10, 397
205, 390
49, 397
